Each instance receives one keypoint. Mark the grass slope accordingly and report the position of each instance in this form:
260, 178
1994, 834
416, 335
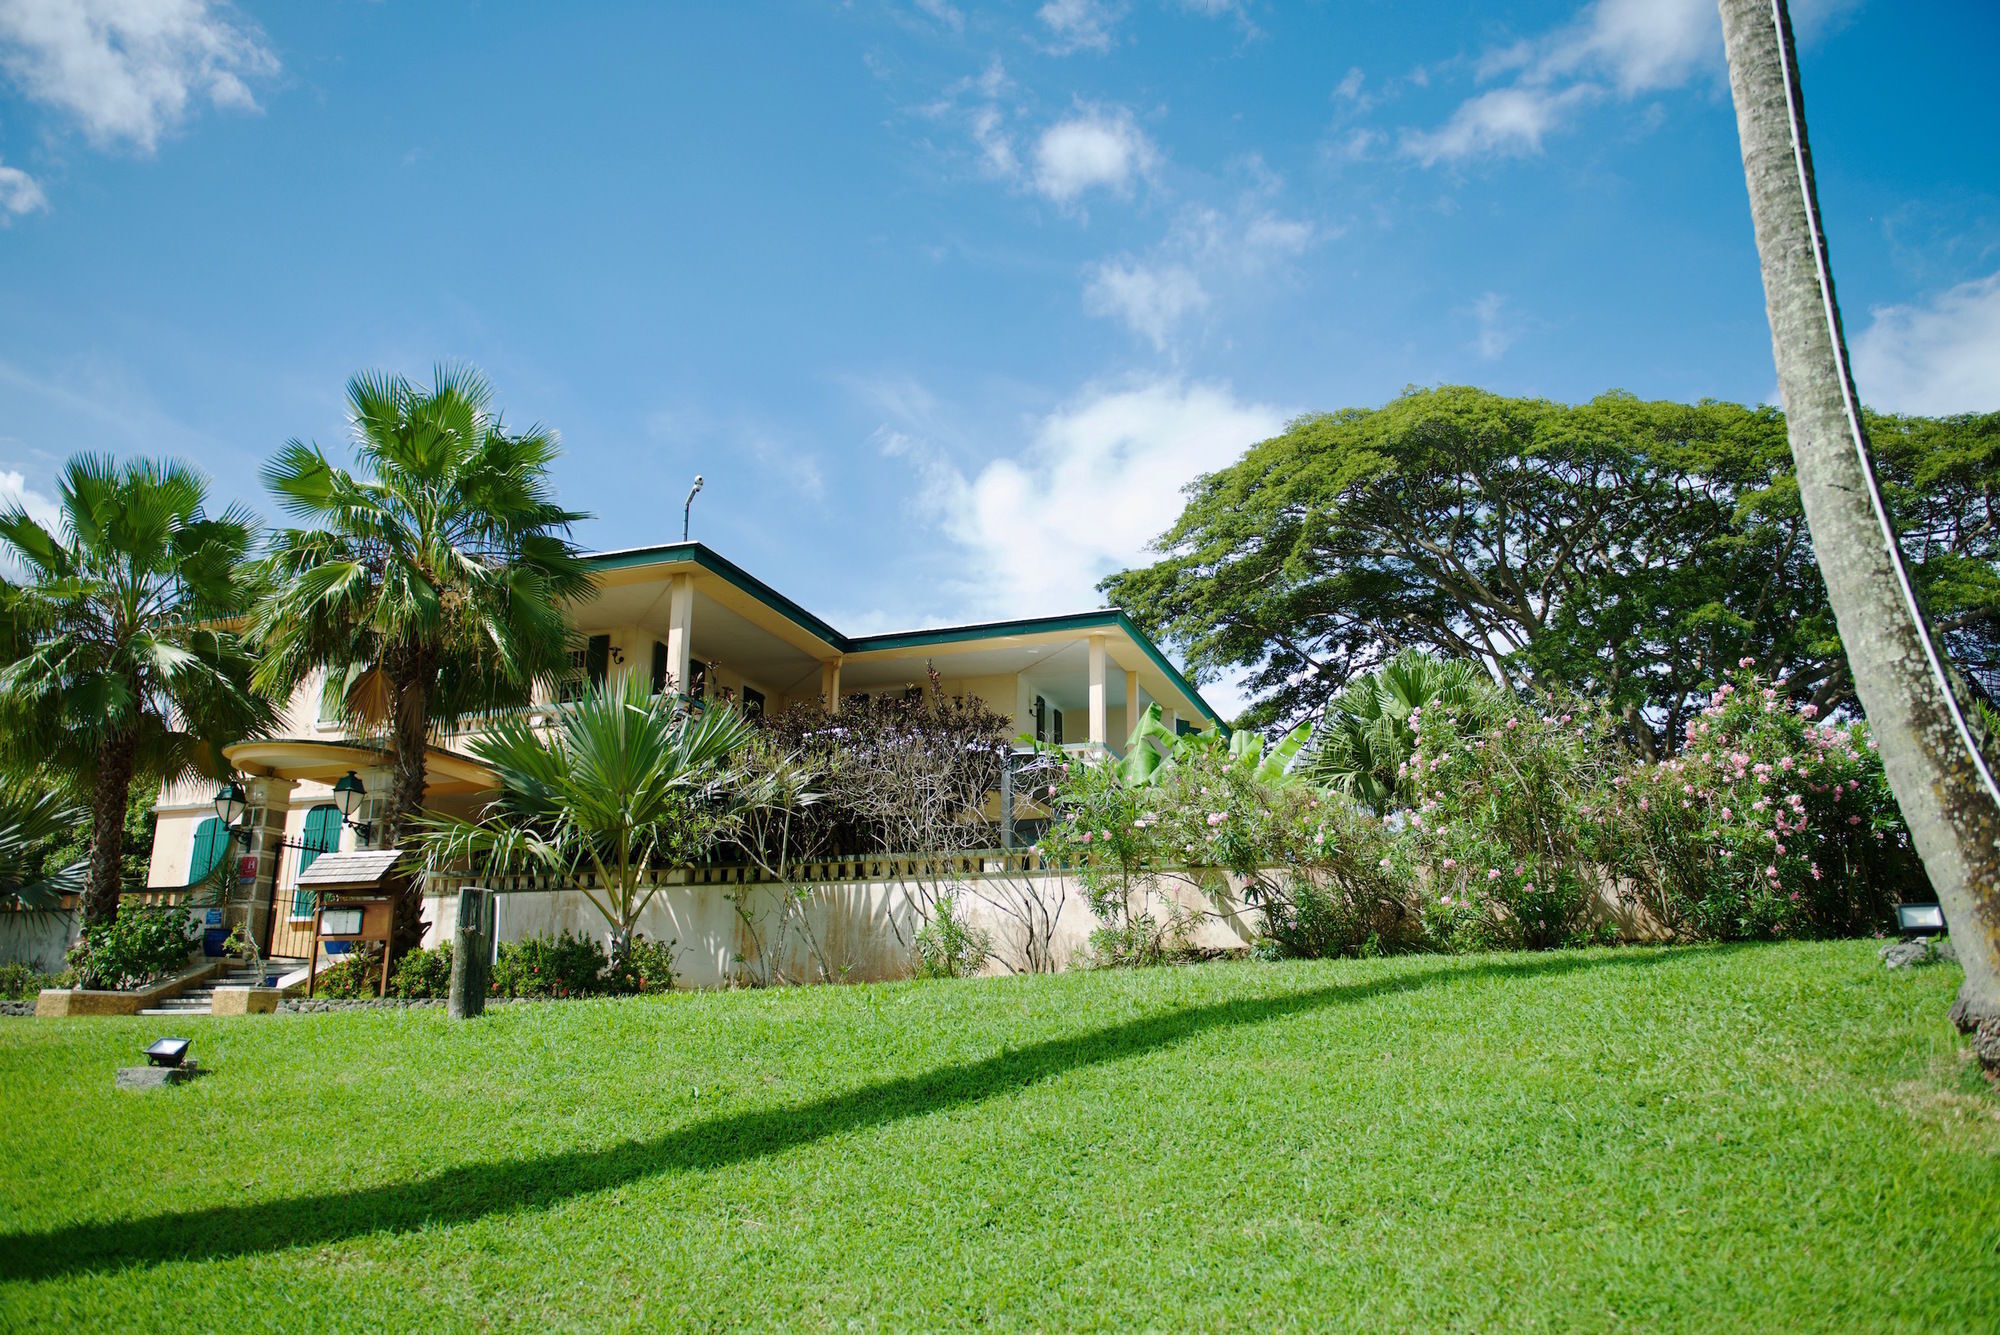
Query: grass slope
1781, 1136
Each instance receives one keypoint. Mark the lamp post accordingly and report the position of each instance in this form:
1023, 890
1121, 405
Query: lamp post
688, 510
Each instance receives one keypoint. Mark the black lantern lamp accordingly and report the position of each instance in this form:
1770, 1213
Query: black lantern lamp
347, 794
230, 802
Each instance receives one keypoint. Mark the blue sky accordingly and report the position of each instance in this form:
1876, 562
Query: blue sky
946, 300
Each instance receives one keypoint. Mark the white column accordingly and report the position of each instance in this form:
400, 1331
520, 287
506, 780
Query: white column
1133, 706
1098, 722
829, 685
680, 632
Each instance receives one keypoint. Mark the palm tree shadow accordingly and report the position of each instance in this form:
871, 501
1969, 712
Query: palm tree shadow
476, 1191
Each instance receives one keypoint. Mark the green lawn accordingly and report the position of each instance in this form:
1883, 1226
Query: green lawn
1778, 1136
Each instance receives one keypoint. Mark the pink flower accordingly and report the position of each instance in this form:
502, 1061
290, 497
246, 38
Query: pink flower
1512, 724
1384, 864
1449, 863
1746, 662
1809, 711
1445, 900
1727, 814
1086, 837
1529, 887
1493, 874
1771, 872
1854, 820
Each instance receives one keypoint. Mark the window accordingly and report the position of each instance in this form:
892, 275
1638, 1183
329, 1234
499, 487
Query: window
1058, 725
1182, 728
590, 664
659, 667
698, 681
322, 835
753, 702
913, 694
211, 846
1041, 719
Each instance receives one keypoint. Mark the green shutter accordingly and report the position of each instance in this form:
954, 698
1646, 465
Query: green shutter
211, 846
322, 835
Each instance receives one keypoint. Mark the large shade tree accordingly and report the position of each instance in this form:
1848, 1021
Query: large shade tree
426, 583
126, 665
1630, 549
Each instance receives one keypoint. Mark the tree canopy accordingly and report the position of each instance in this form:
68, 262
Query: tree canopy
1632, 550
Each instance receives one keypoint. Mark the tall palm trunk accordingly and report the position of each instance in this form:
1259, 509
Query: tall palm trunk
409, 732
1952, 816
111, 791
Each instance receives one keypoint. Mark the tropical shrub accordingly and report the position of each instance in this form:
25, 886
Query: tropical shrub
1362, 747
549, 966
142, 944
23, 982
648, 966
353, 976
949, 947
1496, 834
422, 973
1769, 822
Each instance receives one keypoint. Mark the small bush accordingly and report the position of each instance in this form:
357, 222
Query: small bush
21, 982
549, 966
648, 966
354, 975
423, 974
142, 944
1325, 892
948, 948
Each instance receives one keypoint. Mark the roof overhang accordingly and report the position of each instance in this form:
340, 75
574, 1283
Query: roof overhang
446, 772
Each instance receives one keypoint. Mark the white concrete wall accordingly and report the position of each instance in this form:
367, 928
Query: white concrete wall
863, 927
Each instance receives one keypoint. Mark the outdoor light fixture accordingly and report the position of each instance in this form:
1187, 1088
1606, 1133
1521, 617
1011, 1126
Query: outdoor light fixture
167, 1051
347, 795
1919, 919
230, 802
688, 509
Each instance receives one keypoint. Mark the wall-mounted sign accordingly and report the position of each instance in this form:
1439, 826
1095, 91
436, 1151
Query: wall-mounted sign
211, 917
246, 867
340, 922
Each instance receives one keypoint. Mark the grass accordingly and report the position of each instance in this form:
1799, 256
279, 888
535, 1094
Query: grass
1779, 1136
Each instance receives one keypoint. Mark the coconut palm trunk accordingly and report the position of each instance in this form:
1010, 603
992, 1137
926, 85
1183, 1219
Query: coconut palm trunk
111, 790
1932, 766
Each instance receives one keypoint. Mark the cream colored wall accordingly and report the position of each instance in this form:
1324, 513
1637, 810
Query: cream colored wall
863, 927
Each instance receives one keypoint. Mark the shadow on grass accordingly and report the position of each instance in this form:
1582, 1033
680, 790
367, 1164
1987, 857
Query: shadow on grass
476, 1191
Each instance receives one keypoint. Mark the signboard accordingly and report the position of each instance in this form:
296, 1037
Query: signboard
340, 922
246, 867
211, 917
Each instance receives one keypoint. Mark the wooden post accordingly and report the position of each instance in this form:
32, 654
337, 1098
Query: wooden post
471, 951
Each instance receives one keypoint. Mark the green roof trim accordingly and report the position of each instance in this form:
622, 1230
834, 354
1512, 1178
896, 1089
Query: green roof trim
744, 581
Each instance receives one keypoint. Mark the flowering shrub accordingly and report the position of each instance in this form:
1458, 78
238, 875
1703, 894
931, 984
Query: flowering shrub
1323, 890
1770, 822
354, 975
423, 973
548, 966
1496, 835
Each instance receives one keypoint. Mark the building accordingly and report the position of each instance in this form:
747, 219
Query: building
679, 613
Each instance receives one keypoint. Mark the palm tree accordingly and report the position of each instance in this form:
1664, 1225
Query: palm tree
29, 824
622, 784
126, 665
1366, 734
428, 586
1934, 765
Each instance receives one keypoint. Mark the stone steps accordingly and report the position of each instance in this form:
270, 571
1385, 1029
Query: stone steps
201, 1000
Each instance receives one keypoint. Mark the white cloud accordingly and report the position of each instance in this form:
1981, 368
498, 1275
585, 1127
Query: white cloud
127, 70
944, 12
1205, 248
1099, 479
1096, 147
1494, 336
20, 192
1079, 25
1934, 358
1505, 122
1151, 300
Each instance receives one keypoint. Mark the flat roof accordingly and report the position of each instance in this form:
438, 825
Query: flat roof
696, 553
